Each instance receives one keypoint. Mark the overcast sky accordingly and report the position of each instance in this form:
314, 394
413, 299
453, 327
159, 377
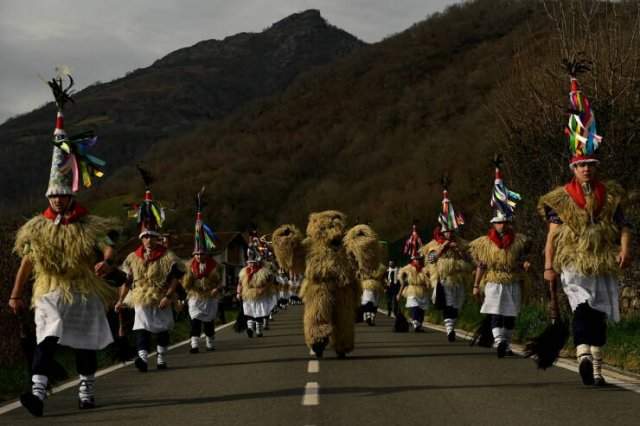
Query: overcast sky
101, 40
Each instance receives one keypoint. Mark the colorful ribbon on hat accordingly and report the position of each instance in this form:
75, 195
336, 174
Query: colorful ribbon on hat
79, 162
448, 219
150, 208
205, 237
413, 243
581, 129
502, 198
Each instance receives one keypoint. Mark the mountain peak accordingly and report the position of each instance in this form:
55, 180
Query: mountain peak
307, 18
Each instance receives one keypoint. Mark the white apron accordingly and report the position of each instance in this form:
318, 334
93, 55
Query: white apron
81, 324
202, 309
453, 294
600, 292
501, 299
260, 307
417, 302
153, 319
369, 295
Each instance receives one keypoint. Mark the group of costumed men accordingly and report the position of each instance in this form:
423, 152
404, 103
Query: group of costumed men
588, 243
71, 258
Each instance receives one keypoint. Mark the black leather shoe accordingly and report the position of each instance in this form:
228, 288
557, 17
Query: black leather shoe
318, 347
162, 366
32, 403
599, 381
86, 404
194, 350
586, 371
141, 365
502, 349
451, 337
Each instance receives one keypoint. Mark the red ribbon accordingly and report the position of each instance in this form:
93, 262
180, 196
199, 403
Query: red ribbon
417, 264
76, 212
156, 253
503, 242
209, 265
252, 269
438, 235
574, 189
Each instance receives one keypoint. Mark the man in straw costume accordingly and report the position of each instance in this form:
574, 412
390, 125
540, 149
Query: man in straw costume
257, 287
448, 264
202, 282
67, 251
500, 259
153, 273
588, 240
414, 282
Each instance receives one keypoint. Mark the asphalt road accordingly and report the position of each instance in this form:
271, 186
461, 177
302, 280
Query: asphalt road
390, 379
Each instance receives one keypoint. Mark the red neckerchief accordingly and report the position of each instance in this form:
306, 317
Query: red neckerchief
252, 269
504, 242
156, 253
209, 265
417, 265
574, 189
76, 212
438, 235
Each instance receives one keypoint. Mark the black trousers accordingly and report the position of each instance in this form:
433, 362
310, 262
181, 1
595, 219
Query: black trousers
143, 339
501, 321
86, 360
450, 312
197, 325
369, 307
589, 326
417, 314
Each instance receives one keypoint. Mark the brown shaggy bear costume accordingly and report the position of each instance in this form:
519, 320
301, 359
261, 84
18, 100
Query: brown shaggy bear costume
330, 290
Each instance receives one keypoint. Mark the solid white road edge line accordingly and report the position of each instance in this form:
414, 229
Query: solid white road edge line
15, 404
613, 377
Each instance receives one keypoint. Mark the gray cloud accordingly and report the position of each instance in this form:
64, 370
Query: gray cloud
102, 40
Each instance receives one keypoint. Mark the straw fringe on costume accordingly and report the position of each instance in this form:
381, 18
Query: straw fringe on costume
262, 283
362, 243
418, 282
502, 263
201, 288
589, 248
63, 256
287, 246
450, 269
150, 279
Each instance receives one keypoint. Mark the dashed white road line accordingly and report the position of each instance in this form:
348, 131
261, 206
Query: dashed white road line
314, 366
311, 394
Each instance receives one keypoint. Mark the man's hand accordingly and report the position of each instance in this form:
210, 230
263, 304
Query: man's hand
550, 275
118, 307
214, 292
477, 294
526, 266
164, 302
623, 259
16, 305
102, 268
